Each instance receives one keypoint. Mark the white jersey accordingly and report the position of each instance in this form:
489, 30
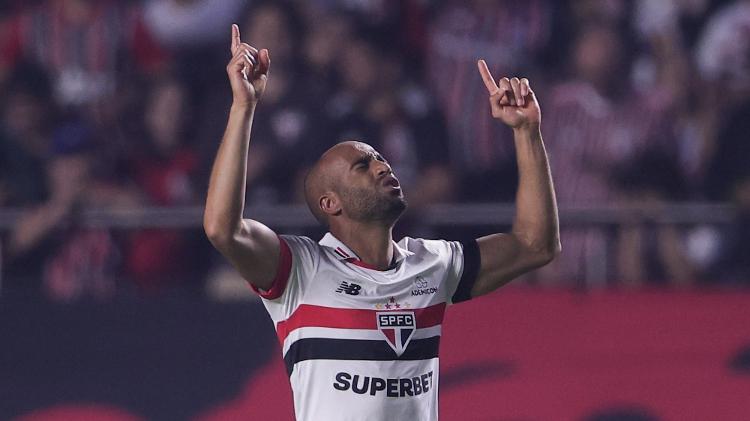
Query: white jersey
359, 343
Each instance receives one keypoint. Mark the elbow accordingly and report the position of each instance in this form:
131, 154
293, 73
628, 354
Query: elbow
540, 246
216, 233
545, 254
552, 251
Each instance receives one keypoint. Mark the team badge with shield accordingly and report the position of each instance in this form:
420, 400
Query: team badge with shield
398, 327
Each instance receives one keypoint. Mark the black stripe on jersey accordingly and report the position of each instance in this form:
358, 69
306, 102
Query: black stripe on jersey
356, 349
472, 263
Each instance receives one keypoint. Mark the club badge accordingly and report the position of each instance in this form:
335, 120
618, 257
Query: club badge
398, 328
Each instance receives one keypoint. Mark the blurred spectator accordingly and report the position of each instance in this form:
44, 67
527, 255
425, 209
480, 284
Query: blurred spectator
274, 26
25, 123
648, 252
730, 161
163, 162
724, 59
510, 36
683, 19
728, 179
598, 123
733, 264
612, 13
663, 69
325, 41
164, 166
81, 43
195, 32
178, 24
723, 53
48, 245
402, 23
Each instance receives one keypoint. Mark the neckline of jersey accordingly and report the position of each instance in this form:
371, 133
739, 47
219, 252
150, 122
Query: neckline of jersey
346, 254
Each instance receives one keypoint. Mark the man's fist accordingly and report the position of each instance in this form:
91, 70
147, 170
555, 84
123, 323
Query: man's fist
248, 70
512, 100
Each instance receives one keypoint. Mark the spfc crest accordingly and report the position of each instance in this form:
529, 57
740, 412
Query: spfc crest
398, 327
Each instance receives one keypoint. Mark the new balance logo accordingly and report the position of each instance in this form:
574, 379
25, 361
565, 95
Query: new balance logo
349, 288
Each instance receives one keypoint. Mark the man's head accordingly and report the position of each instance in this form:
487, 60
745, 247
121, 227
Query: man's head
353, 182
598, 56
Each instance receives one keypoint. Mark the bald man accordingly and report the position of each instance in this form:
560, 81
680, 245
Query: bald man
358, 315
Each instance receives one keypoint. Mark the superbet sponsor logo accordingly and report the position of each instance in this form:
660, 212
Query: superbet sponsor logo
376, 386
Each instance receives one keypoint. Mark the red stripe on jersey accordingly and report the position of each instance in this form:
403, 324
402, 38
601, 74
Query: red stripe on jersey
308, 315
342, 253
361, 264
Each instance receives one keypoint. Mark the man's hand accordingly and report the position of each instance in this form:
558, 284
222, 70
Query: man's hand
513, 102
248, 71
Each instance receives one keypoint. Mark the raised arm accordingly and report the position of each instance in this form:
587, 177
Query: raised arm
535, 238
249, 245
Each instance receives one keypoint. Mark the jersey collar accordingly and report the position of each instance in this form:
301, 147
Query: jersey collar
342, 252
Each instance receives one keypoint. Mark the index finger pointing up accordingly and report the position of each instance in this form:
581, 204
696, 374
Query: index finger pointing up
489, 82
235, 37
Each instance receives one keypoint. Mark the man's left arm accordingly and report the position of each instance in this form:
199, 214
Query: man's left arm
535, 238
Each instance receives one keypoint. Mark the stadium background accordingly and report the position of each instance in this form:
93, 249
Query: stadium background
113, 306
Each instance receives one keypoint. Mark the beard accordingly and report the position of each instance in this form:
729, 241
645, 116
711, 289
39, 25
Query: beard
372, 205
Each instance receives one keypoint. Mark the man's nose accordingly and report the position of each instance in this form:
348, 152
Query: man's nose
381, 168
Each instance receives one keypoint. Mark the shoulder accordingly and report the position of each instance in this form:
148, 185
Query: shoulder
422, 247
300, 241
302, 248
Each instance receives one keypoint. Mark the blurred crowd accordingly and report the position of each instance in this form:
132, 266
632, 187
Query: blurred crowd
121, 104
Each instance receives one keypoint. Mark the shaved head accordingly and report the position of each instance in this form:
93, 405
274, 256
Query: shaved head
317, 182
334, 178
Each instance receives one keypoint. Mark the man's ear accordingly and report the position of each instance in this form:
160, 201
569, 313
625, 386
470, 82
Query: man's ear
329, 203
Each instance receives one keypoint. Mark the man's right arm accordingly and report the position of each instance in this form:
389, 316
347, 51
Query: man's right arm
252, 248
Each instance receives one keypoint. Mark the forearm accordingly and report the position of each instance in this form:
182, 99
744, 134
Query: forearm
226, 190
536, 223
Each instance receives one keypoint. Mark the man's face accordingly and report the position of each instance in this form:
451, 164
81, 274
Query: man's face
367, 187
597, 56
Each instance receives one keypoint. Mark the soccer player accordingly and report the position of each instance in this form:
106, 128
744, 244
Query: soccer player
359, 315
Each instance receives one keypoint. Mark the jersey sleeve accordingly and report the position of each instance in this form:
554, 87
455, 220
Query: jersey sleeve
460, 262
467, 252
462, 267
298, 263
